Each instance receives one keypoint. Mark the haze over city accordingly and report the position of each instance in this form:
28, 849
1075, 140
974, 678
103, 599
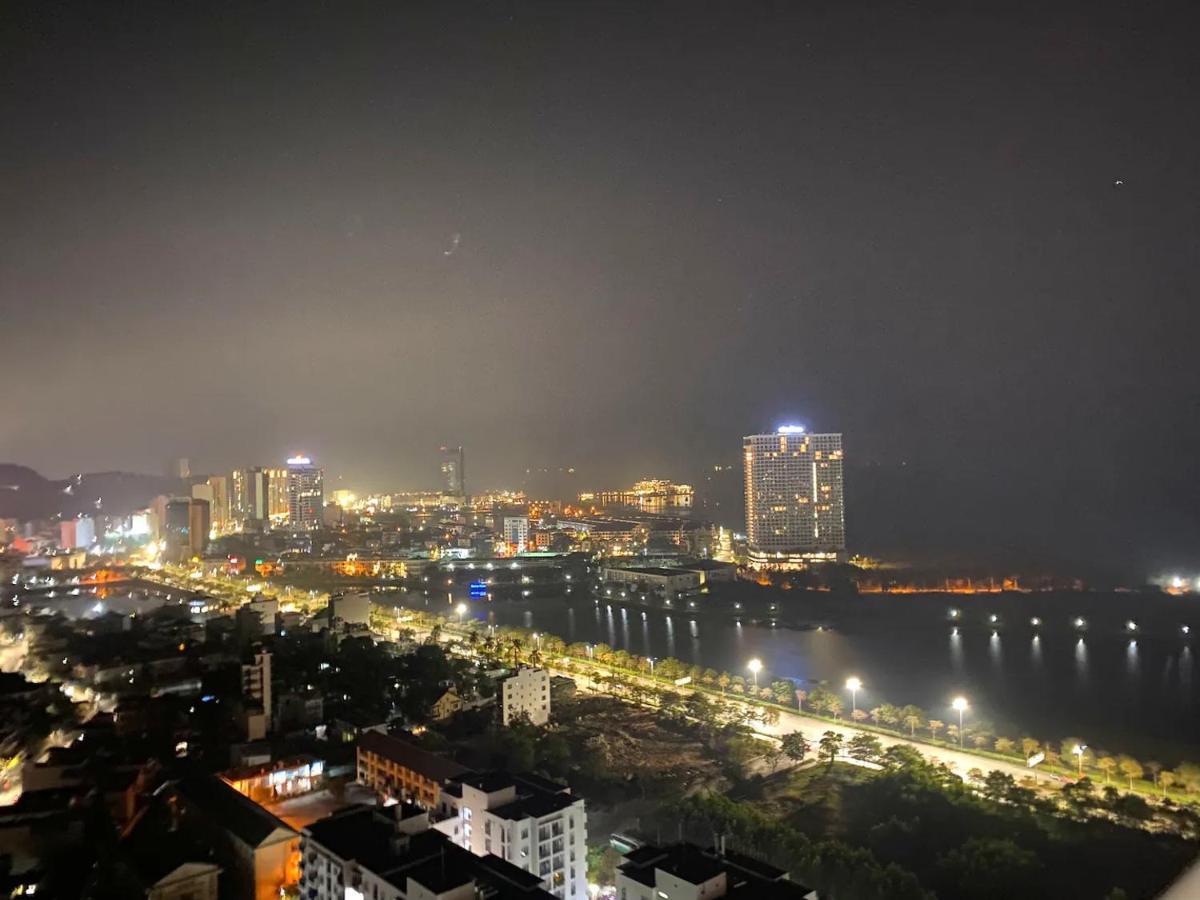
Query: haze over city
619, 237
599, 450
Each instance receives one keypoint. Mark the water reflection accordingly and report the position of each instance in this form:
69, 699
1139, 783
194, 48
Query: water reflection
670, 635
1132, 666
1081, 659
1185, 667
996, 652
1035, 651
956, 650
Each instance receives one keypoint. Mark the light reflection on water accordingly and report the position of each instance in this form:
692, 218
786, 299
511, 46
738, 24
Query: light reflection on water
1065, 683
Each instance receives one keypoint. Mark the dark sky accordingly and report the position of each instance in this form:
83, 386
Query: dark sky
616, 236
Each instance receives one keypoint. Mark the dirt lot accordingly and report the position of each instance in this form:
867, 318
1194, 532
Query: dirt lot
637, 741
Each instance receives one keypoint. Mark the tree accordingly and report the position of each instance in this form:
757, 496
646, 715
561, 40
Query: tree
1080, 795
1165, 780
886, 715
770, 716
1107, 765
783, 691
801, 696
998, 785
818, 699
1005, 745
934, 726
773, 755
975, 776
830, 746
723, 681
1130, 768
981, 740
865, 747
794, 746
709, 678
1029, 746
952, 733
988, 869
913, 717
834, 707
1154, 768
859, 715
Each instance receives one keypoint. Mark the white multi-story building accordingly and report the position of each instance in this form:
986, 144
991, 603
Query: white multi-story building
526, 694
369, 853
516, 532
795, 513
528, 821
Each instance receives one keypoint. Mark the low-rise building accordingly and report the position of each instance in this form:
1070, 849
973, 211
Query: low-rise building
526, 694
259, 851
667, 583
398, 770
687, 872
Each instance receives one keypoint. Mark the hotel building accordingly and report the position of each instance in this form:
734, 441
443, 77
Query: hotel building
795, 512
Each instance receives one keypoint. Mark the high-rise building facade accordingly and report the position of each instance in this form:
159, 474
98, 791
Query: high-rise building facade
278, 506
306, 493
249, 496
795, 512
199, 525
454, 478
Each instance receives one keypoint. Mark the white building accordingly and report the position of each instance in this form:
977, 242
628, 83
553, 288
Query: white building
526, 694
795, 512
688, 872
516, 532
528, 821
369, 853
256, 689
352, 608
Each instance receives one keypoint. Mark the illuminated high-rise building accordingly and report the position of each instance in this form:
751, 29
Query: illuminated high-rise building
306, 493
795, 512
249, 496
277, 493
454, 477
199, 525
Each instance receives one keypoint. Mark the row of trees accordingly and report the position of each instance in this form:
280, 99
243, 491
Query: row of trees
909, 720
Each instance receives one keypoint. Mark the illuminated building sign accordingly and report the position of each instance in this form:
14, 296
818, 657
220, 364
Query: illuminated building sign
479, 590
791, 429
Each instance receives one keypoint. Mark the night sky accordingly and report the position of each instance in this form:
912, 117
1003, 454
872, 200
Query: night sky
618, 236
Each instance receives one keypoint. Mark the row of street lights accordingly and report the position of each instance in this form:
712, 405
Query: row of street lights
854, 685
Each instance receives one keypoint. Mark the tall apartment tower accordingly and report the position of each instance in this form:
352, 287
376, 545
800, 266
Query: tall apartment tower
454, 477
249, 495
306, 493
795, 512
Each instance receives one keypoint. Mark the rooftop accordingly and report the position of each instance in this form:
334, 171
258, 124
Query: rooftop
411, 757
236, 813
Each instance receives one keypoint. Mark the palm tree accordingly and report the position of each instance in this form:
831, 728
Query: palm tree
1107, 765
934, 727
912, 722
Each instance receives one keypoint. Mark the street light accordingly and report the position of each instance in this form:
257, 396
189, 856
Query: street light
461, 609
960, 704
1078, 751
853, 685
755, 666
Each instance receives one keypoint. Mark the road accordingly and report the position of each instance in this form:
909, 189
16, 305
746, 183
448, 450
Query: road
813, 728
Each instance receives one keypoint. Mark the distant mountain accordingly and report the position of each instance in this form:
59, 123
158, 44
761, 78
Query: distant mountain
25, 494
